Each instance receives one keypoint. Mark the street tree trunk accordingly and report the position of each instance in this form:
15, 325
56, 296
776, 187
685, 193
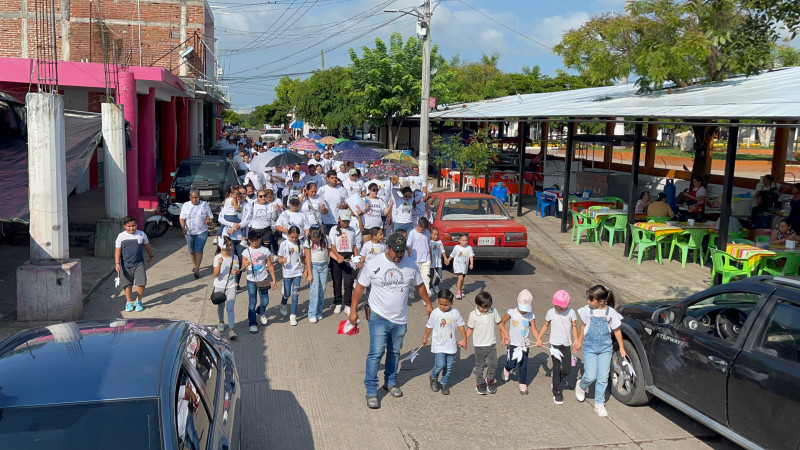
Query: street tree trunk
703, 142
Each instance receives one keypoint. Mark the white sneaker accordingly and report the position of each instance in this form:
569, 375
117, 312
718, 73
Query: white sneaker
347, 310
312, 319
600, 409
337, 309
284, 310
253, 329
263, 319
580, 394
293, 320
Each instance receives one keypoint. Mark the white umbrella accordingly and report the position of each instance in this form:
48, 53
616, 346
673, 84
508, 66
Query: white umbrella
259, 163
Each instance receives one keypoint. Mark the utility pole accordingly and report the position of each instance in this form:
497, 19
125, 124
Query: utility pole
322, 55
425, 31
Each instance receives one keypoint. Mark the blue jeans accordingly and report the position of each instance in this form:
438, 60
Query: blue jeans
319, 274
523, 365
290, 287
253, 291
196, 242
443, 362
403, 226
383, 336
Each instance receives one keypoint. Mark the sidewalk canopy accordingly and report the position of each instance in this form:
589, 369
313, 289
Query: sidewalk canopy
771, 95
296, 125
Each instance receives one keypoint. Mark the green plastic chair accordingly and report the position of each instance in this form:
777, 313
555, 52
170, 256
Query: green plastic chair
738, 234
643, 240
658, 219
728, 266
581, 223
619, 201
689, 240
742, 241
596, 207
762, 238
790, 266
616, 223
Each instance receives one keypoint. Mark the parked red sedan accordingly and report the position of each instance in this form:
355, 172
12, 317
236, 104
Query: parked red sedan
492, 232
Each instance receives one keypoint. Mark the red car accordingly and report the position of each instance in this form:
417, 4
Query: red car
492, 232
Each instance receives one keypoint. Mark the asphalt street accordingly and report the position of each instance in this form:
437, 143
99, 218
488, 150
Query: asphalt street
303, 386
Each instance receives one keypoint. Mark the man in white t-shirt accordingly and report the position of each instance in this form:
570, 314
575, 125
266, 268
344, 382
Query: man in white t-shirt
334, 197
390, 278
417, 181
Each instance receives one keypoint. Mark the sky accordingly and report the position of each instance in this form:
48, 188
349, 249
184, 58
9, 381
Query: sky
260, 41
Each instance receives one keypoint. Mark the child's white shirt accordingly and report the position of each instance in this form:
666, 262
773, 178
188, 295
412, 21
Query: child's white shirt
443, 326
461, 257
561, 326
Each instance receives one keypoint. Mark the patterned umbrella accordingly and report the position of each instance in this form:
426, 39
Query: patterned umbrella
279, 150
328, 140
358, 154
303, 144
346, 145
314, 136
401, 158
339, 140
287, 158
388, 169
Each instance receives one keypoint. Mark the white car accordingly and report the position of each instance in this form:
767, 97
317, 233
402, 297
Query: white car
275, 135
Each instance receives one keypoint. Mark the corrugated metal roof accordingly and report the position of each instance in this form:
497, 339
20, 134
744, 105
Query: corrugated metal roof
769, 96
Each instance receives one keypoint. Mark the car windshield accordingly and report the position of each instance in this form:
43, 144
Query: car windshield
473, 208
83, 425
272, 132
206, 171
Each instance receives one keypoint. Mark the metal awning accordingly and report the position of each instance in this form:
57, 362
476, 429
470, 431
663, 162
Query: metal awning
770, 96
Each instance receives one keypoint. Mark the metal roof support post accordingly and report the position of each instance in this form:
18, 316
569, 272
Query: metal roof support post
727, 186
608, 150
567, 174
637, 149
523, 140
779, 151
650, 147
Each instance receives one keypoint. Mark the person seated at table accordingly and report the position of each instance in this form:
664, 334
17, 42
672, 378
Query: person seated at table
660, 207
733, 224
694, 196
783, 233
766, 196
643, 203
794, 204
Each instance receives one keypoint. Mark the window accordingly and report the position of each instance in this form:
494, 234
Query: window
722, 315
781, 335
205, 361
213, 171
190, 414
468, 208
434, 207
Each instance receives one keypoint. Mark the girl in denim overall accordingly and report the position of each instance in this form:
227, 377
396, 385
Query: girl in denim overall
601, 320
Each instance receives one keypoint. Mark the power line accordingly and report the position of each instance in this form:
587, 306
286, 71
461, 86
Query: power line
504, 25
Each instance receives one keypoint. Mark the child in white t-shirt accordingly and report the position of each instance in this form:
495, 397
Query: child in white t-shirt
480, 325
522, 324
563, 334
443, 322
462, 257
437, 256
374, 246
291, 256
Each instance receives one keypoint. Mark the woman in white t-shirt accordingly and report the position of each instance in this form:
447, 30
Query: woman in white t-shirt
403, 210
317, 251
376, 208
291, 256
343, 248
195, 218
312, 206
600, 321
226, 266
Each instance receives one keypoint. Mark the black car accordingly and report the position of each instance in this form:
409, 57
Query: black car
211, 175
146, 383
728, 357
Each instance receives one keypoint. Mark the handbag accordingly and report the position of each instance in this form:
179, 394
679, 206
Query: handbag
219, 297
263, 284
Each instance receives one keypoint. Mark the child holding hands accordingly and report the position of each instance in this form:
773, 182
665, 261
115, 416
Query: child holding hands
462, 258
480, 325
516, 336
442, 323
563, 334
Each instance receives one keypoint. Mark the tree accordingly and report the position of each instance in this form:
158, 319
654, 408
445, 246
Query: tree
475, 155
324, 98
387, 81
679, 42
231, 117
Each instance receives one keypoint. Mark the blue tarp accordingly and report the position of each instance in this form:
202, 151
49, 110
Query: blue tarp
296, 125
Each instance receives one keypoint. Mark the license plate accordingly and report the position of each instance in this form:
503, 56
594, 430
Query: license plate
206, 193
485, 241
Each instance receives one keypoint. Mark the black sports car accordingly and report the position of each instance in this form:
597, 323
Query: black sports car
728, 357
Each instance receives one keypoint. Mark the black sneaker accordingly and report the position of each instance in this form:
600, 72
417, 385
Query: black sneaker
435, 385
445, 390
481, 388
558, 399
492, 386
372, 402
393, 390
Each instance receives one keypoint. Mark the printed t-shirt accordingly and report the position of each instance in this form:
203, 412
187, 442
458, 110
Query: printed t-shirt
444, 326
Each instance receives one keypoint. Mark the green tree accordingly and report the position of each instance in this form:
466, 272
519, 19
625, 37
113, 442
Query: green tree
387, 81
785, 56
680, 42
476, 154
232, 117
324, 98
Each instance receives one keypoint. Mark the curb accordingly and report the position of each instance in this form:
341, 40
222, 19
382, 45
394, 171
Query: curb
97, 285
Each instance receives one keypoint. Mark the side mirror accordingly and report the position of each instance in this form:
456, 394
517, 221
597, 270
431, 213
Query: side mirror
663, 316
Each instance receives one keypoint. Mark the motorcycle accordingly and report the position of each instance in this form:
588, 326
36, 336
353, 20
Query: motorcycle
167, 213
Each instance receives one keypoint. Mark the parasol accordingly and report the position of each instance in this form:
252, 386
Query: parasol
287, 158
358, 154
304, 145
346, 145
388, 169
328, 140
401, 158
259, 163
339, 140
314, 136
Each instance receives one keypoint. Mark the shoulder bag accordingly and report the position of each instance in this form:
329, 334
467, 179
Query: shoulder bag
263, 284
219, 297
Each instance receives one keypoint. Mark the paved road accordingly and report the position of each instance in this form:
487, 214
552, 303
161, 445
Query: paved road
303, 385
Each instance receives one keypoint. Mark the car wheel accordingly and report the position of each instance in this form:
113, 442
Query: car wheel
508, 264
628, 390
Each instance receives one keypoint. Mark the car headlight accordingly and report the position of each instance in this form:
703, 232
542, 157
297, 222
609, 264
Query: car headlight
517, 236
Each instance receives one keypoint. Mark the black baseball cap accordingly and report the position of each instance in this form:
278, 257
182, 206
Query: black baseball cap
396, 242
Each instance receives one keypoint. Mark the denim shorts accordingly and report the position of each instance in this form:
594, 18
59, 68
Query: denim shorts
196, 242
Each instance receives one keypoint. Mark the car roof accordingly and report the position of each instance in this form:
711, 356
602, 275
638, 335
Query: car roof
87, 361
461, 195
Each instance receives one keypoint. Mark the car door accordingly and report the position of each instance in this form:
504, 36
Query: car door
690, 360
764, 386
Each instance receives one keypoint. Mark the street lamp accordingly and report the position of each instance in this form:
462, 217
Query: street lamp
424, 29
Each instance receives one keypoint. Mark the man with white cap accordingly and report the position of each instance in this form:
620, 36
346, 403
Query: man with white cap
390, 278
